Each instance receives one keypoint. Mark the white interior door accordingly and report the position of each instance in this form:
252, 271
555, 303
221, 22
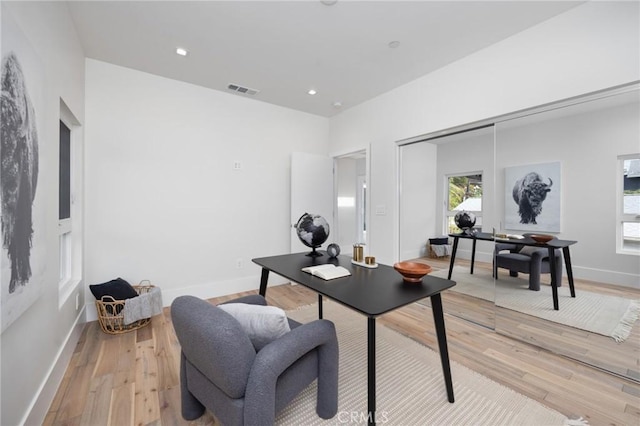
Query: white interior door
311, 192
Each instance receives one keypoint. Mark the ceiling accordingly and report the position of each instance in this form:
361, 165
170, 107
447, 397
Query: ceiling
283, 49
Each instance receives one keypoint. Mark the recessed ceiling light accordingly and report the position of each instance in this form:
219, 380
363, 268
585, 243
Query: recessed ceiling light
337, 104
328, 2
182, 52
312, 92
394, 44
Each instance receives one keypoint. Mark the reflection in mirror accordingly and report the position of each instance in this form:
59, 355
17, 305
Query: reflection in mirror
440, 178
351, 189
591, 199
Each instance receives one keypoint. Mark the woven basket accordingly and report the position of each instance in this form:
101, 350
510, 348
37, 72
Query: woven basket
111, 316
432, 253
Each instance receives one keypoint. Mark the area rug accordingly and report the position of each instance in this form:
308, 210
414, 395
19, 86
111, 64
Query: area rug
598, 313
410, 384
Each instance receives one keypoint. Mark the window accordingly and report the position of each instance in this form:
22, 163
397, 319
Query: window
69, 206
64, 204
65, 173
464, 192
629, 204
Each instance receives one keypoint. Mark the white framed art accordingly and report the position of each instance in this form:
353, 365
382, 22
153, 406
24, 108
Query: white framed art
23, 253
532, 197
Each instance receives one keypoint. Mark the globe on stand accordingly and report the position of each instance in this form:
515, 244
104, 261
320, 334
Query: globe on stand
313, 231
465, 220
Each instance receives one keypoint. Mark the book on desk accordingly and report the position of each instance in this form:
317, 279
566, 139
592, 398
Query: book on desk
327, 272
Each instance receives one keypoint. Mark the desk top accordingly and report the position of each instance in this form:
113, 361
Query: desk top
526, 241
371, 292
484, 236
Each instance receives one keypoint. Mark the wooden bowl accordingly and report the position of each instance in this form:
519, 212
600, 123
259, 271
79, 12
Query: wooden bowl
541, 238
412, 272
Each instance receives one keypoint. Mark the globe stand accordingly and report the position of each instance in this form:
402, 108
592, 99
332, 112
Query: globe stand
469, 231
314, 253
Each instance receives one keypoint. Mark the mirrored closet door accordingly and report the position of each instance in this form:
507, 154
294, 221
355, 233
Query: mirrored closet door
441, 177
584, 157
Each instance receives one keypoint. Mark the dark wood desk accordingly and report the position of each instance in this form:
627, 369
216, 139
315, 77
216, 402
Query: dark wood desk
482, 236
372, 292
551, 246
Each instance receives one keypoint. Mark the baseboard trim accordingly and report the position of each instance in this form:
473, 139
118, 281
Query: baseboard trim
206, 290
623, 279
609, 277
39, 407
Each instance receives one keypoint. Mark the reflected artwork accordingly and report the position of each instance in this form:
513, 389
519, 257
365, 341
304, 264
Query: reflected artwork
532, 197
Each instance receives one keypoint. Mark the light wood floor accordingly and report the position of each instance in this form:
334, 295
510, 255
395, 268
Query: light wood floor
590, 348
133, 378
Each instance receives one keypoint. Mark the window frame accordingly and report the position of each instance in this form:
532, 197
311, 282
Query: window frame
65, 225
69, 229
621, 216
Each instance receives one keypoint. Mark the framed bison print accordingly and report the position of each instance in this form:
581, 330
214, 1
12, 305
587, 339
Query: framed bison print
23, 257
532, 197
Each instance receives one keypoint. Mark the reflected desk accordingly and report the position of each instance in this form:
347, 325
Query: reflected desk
526, 241
371, 292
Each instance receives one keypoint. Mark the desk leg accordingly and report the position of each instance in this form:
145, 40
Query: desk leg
371, 370
473, 254
264, 279
567, 262
438, 318
554, 277
453, 256
319, 306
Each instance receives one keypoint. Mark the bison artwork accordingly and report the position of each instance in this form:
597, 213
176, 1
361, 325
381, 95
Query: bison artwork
529, 192
18, 170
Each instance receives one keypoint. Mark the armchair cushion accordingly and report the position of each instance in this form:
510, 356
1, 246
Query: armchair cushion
263, 324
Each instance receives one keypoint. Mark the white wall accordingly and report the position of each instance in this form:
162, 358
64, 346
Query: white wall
590, 47
163, 201
37, 347
418, 199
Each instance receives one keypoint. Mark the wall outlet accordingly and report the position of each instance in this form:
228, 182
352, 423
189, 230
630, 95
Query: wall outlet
239, 263
237, 165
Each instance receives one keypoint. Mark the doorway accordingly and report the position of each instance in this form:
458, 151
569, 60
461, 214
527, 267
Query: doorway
351, 199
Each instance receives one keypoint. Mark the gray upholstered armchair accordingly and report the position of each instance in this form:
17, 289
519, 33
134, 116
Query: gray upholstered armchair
220, 369
526, 259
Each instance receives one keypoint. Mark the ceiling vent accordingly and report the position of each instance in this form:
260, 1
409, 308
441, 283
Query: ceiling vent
240, 89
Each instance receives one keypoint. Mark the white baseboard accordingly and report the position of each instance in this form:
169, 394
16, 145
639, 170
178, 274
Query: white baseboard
206, 290
41, 403
579, 272
603, 276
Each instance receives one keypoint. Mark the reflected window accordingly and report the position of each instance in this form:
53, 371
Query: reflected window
629, 204
464, 193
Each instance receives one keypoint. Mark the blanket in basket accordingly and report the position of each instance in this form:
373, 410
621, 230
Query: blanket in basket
144, 306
